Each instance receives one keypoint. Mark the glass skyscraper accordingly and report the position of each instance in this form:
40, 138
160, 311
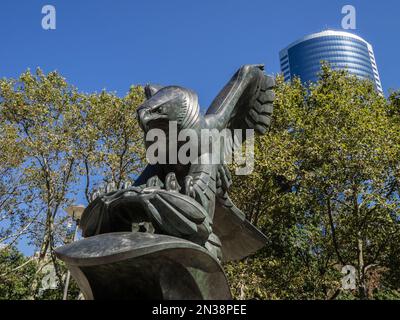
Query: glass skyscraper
342, 50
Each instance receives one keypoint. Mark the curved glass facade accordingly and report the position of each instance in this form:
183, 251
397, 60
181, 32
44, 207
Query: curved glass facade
342, 50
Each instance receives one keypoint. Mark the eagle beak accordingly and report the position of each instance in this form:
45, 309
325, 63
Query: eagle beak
143, 118
149, 119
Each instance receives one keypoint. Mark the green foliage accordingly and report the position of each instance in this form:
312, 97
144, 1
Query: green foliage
14, 285
387, 295
324, 191
53, 141
17, 273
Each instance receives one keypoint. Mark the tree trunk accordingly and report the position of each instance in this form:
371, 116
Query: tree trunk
362, 288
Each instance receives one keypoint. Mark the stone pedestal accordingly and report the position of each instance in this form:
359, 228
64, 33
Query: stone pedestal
126, 265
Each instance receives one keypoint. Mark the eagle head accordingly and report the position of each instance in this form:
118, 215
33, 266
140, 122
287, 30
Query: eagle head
167, 104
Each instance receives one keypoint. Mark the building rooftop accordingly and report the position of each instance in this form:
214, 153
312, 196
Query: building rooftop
324, 34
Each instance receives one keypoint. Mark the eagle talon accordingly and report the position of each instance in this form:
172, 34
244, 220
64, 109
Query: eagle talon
153, 182
189, 190
171, 183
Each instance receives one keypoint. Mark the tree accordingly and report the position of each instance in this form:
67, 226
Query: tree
108, 139
55, 139
322, 190
16, 274
325, 189
34, 106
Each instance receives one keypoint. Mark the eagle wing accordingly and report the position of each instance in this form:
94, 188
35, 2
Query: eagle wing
246, 102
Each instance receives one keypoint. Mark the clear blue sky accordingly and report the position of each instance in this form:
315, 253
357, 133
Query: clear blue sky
104, 44
112, 44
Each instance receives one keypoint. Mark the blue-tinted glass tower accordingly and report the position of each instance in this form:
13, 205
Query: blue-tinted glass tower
342, 50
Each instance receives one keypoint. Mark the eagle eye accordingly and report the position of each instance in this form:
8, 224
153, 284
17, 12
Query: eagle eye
160, 110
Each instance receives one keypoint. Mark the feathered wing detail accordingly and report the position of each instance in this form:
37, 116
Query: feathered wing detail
246, 102
239, 238
203, 185
236, 238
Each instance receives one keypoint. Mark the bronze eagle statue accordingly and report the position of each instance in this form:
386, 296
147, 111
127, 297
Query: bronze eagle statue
190, 200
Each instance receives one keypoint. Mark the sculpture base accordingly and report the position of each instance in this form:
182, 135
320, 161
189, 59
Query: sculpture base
137, 266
